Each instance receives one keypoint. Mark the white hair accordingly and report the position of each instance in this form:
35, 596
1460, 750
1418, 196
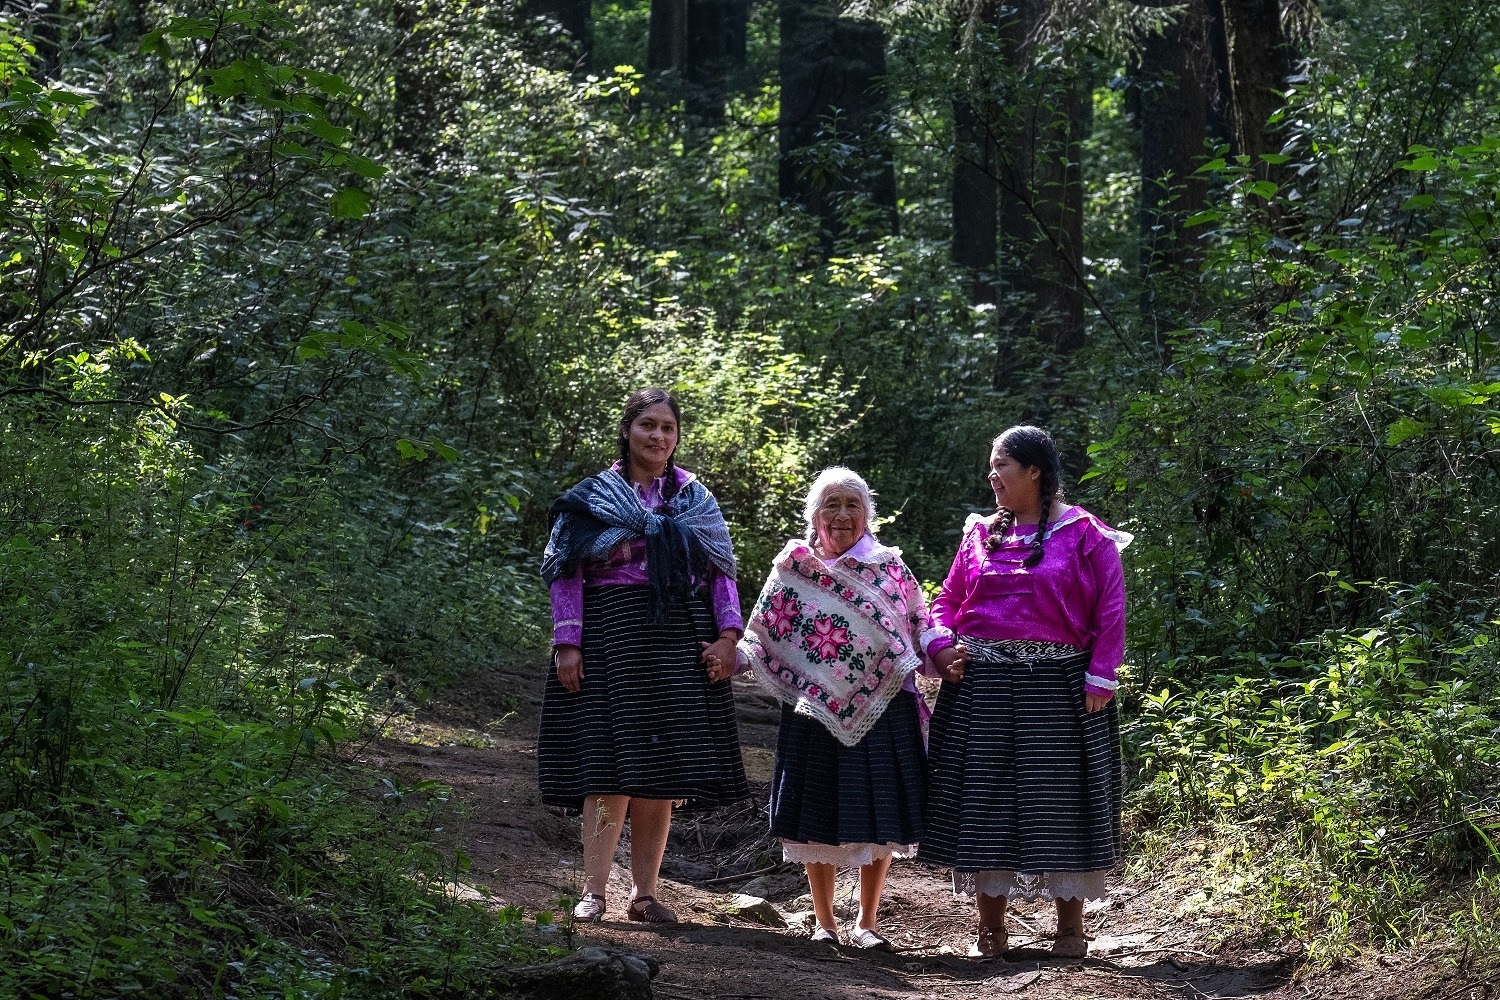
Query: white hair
837, 475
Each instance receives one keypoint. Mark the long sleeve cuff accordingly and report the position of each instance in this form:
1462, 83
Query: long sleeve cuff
567, 633
1103, 686
935, 640
939, 644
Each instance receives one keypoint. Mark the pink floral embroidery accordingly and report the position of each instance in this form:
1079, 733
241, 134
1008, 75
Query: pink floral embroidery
825, 639
780, 614
833, 706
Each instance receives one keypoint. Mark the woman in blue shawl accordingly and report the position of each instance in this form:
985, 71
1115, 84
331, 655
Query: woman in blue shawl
638, 714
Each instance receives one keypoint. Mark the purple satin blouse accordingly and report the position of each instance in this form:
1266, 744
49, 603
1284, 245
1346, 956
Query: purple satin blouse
1075, 595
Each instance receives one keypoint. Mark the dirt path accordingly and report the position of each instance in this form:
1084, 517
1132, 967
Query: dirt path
479, 738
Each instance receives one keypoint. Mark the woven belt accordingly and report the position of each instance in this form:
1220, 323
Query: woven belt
1016, 650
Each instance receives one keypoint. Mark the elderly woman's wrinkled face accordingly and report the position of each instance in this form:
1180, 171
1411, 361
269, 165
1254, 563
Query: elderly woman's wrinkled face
841, 520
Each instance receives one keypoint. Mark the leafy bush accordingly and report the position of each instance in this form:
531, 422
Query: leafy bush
1360, 781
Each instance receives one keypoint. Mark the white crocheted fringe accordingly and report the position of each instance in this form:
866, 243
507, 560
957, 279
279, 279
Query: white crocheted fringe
1027, 885
843, 855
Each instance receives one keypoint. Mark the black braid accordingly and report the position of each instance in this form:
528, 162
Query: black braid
625, 452
1048, 496
1004, 520
669, 488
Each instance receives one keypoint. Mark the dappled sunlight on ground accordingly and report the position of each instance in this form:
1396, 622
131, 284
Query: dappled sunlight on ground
1149, 939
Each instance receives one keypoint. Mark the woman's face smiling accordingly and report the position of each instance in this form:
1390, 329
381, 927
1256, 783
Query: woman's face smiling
1016, 486
653, 438
841, 520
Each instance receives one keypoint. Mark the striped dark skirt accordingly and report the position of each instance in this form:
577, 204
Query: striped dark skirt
647, 722
874, 792
1022, 778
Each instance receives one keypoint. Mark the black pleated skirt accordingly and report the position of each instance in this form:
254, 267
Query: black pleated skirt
874, 792
1022, 778
647, 722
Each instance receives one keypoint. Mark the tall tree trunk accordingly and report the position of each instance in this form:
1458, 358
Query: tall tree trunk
976, 167
1260, 59
704, 41
416, 100
576, 17
1175, 80
47, 37
666, 42
425, 80
833, 157
976, 198
1221, 103
128, 23
1041, 185
737, 30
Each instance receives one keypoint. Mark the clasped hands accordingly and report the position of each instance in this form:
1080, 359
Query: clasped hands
717, 657
951, 662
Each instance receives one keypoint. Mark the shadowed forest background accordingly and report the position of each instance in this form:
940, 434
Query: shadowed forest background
309, 310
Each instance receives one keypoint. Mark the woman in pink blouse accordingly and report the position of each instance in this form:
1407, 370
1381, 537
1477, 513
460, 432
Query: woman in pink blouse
1024, 749
637, 713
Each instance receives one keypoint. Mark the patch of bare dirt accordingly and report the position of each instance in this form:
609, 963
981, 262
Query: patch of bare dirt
478, 738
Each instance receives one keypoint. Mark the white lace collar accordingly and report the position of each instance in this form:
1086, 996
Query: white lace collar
1074, 513
867, 551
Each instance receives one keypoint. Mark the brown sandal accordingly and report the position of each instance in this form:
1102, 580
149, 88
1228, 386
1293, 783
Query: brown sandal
991, 941
1070, 946
647, 910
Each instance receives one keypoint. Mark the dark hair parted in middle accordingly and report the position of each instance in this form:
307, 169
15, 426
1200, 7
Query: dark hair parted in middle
1029, 446
639, 402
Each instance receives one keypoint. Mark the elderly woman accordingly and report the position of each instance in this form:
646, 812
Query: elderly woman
1025, 787
637, 712
836, 635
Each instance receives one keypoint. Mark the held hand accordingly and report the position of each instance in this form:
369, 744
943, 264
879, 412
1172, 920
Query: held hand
570, 668
718, 658
951, 662
1094, 702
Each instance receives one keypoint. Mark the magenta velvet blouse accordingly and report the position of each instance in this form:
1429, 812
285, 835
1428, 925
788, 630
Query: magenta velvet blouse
1075, 595
627, 565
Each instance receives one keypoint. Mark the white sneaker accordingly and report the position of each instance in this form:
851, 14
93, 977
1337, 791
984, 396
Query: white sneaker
590, 908
824, 934
869, 940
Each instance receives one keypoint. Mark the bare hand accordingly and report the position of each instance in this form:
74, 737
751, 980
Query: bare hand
570, 668
1094, 702
718, 658
951, 662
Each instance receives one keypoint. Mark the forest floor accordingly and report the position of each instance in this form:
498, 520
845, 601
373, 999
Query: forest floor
1149, 939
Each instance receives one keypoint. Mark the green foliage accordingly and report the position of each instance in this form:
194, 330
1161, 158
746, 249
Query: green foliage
1311, 478
1358, 780
307, 313
182, 818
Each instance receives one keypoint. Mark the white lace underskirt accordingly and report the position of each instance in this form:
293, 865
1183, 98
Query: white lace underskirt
843, 855
1031, 885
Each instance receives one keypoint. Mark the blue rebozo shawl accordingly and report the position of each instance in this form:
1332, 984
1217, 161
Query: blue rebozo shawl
594, 517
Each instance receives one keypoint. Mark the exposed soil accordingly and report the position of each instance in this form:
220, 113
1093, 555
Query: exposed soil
479, 739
